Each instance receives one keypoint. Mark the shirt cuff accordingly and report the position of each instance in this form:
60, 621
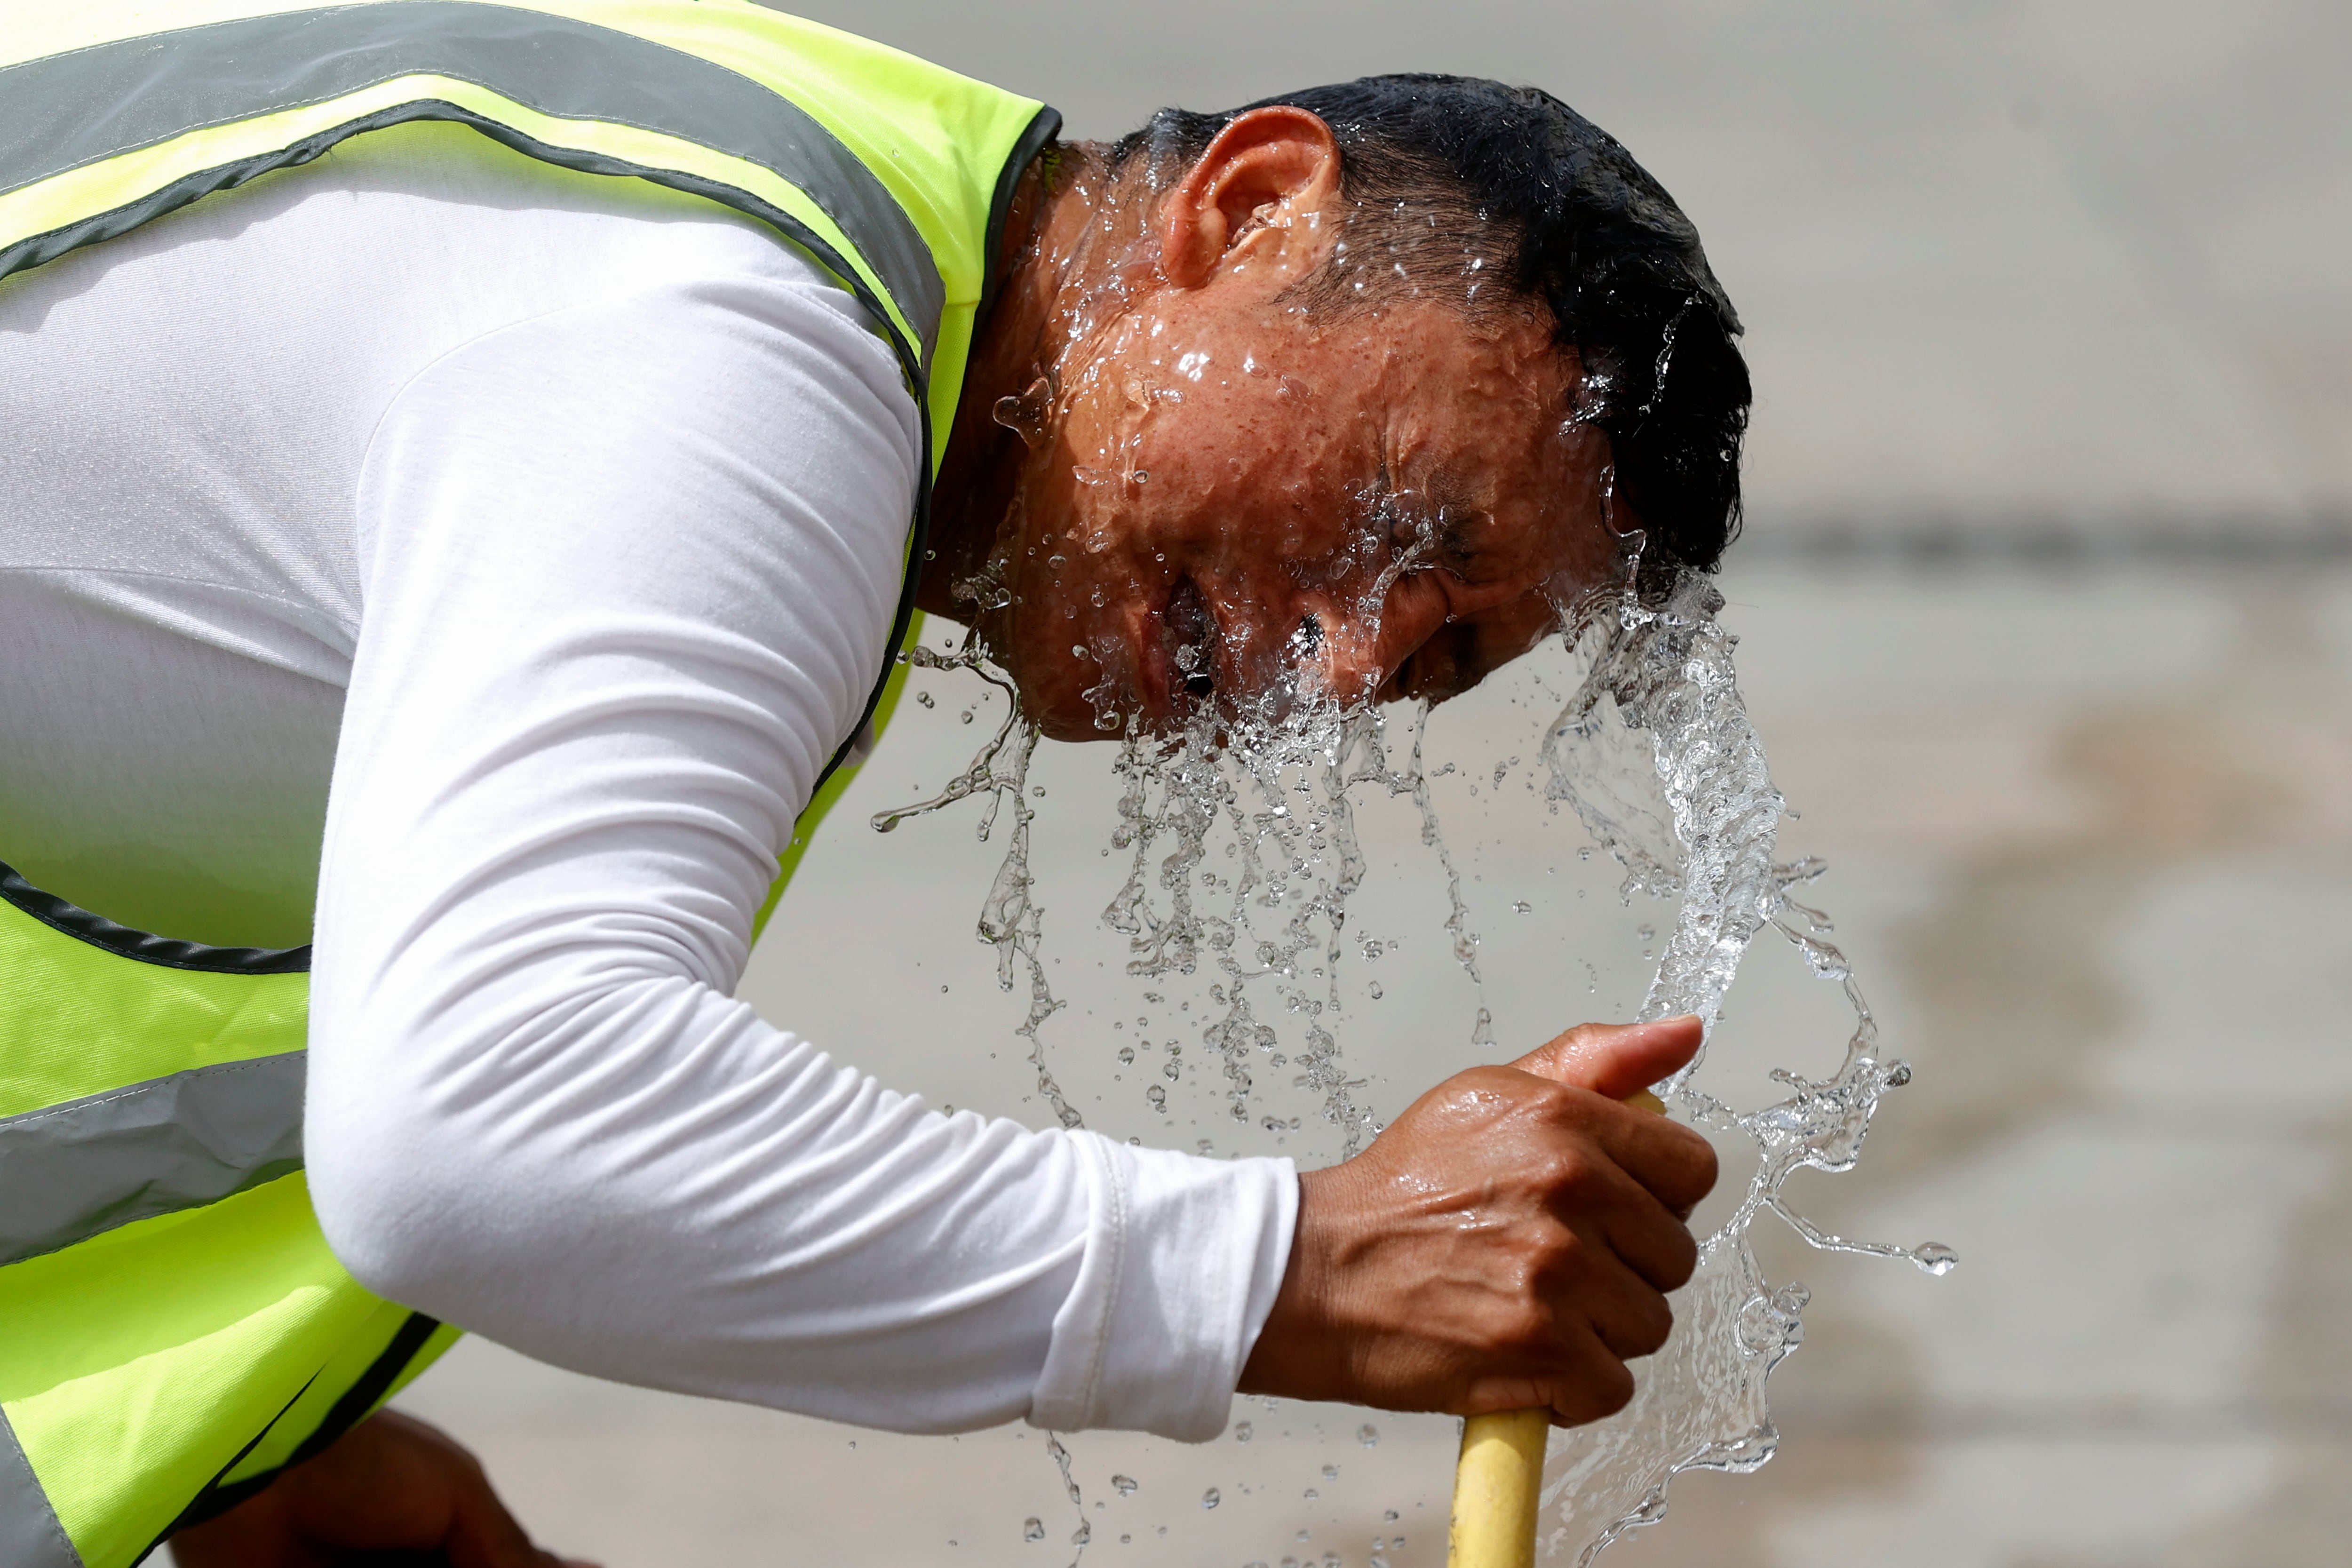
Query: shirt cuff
1182, 1261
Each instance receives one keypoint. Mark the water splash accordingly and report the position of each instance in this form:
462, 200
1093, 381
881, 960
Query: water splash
1010, 919
1273, 784
1656, 754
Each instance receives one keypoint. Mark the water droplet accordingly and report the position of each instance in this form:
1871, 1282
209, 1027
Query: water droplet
1368, 1436
1211, 1497
1126, 1056
1142, 476
985, 591
1083, 1534
925, 699
1061, 1458
1123, 1485
1522, 906
1935, 1257
1311, 1494
1330, 1472
1158, 1097
1032, 1529
1243, 1431
967, 715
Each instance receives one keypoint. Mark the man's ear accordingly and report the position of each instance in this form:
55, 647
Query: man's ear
1280, 157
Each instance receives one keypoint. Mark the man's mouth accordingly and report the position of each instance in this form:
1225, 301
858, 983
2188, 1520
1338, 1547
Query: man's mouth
1188, 639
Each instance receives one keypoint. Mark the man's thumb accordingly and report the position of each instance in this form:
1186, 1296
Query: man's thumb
1616, 1059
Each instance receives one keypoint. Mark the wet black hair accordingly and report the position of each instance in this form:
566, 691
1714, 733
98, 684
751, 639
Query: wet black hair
1457, 168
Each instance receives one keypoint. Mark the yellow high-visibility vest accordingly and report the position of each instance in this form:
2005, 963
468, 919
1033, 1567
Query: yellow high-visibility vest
174, 1330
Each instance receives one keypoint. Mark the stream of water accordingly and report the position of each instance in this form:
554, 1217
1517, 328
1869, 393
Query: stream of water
1656, 755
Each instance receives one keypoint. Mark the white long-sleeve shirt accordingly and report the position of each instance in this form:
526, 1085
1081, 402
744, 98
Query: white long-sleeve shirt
492, 557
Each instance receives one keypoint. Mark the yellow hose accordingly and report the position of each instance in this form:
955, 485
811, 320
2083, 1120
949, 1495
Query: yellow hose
1498, 1481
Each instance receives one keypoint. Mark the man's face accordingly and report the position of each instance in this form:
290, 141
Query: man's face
1232, 498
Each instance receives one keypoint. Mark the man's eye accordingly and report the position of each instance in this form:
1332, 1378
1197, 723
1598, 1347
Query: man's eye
1463, 535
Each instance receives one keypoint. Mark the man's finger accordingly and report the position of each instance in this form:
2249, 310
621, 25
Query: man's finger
1672, 1162
1655, 1245
1628, 1314
1630, 1201
1616, 1059
1601, 1384
483, 1534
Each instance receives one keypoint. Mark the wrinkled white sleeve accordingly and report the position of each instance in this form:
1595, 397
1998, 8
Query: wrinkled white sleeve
628, 572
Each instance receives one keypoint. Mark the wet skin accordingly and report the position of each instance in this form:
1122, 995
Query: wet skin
1182, 474
1220, 489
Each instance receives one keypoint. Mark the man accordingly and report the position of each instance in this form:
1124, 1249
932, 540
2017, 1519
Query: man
442, 551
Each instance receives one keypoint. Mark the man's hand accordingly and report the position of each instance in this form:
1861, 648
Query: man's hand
1506, 1244
392, 1489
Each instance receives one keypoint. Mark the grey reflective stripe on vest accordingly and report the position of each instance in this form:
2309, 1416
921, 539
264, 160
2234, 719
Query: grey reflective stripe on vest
78, 1170
30, 1535
65, 110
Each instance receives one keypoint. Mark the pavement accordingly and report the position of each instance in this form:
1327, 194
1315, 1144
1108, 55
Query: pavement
2048, 628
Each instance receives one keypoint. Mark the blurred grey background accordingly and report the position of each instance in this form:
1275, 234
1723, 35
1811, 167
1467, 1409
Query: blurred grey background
2047, 626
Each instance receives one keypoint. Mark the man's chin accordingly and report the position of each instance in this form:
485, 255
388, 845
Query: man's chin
1065, 727
1061, 711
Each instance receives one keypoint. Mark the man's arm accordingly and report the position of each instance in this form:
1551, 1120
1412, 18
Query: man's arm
629, 573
